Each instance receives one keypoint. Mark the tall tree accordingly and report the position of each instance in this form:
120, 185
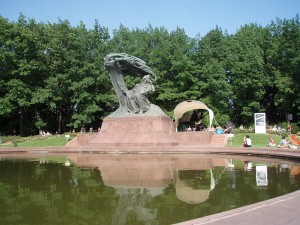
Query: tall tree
60, 56
22, 63
214, 74
177, 72
286, 61
92, 95
247, 72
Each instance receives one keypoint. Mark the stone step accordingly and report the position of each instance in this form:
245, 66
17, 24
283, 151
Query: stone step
218, 139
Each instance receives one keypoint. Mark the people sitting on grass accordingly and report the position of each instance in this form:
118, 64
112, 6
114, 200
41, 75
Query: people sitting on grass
247, 142
283, 143
271, 142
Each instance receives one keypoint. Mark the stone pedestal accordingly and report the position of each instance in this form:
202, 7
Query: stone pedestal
151, 129
139, 131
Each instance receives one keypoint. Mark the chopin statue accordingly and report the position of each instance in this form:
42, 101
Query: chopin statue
134, 101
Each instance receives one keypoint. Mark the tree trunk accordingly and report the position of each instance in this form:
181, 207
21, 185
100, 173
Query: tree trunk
21, 122
59, 119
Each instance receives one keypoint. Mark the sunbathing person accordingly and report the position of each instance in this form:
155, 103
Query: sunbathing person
271, 142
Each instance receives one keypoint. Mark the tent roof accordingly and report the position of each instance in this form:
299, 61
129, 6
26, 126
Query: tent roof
188, 105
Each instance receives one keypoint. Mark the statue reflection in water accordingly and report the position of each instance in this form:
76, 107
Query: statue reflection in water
139, 179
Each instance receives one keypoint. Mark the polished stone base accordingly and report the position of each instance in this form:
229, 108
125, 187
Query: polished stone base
147, 131
143, 131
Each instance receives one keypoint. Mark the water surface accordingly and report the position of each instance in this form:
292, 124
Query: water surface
135, 189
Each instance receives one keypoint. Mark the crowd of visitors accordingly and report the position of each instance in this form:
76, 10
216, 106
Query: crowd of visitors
247, 142
45, 133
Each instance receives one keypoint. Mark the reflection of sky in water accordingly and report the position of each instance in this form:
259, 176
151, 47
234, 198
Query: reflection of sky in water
137, 189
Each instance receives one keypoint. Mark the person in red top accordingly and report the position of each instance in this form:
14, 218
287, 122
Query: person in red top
289, 128
271, 142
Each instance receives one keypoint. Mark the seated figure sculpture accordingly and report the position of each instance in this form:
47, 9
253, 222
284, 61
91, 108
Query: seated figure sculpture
137, 97
134, 101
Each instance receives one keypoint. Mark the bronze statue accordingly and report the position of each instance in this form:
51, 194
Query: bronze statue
132, 101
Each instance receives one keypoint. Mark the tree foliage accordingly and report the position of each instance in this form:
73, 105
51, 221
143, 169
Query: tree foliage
52, 76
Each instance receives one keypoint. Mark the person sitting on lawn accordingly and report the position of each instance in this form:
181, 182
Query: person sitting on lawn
283, 143
247, 142
271, 142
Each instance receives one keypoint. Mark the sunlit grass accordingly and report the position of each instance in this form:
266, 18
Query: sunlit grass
37, 141
258, 140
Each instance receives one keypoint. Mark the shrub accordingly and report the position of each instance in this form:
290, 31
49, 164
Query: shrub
295, 128
238, 130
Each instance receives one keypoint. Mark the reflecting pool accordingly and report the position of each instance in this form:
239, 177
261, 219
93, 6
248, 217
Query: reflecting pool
136, 189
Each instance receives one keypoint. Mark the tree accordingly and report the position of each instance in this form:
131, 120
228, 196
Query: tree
92, 96
52, 75
177, 72
286, 61
214, 74
21, 67
246, 69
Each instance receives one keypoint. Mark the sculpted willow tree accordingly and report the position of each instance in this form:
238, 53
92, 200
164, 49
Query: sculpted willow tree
134, 101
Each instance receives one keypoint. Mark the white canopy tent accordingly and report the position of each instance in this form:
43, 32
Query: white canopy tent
189, 105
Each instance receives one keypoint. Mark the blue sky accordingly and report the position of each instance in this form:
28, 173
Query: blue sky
194, 16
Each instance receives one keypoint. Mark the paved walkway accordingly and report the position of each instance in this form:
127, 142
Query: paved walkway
284, 210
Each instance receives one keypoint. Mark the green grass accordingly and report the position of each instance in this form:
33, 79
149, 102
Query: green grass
258, 140
35, 141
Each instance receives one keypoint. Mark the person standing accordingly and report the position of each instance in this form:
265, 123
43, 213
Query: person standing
289, 128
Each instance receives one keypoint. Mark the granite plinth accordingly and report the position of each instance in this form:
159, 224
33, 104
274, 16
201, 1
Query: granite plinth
145, 131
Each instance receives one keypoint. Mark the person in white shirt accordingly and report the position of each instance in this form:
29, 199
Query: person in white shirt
247, 141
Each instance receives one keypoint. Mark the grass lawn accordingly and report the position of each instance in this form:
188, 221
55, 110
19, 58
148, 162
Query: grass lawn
37, 141
258, 140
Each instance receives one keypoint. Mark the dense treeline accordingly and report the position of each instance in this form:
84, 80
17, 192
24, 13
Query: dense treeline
53, 77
